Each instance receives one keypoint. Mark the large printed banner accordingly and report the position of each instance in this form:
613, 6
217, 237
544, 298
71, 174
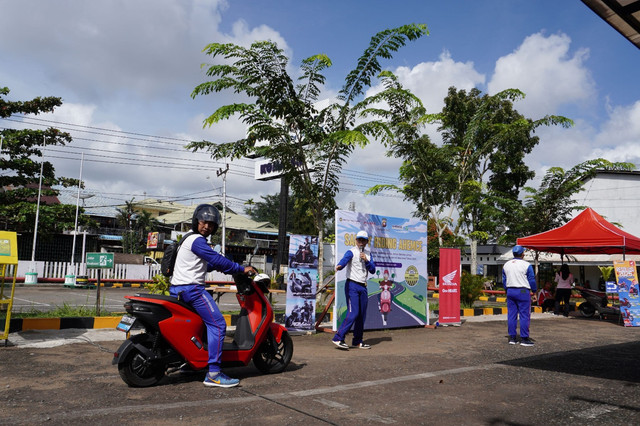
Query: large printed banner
627, 279
302, 282
398, 288
449, 291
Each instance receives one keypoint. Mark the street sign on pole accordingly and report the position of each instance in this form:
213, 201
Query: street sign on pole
100, 260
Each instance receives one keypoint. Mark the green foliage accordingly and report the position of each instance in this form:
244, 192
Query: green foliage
20, 172
606, 272
470, 289
310, 143
159, 285
478, 171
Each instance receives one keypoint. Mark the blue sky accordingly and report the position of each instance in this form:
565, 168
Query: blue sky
125, 71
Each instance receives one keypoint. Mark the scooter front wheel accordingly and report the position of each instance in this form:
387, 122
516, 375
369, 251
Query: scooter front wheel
587, 309
136, 369
273, 357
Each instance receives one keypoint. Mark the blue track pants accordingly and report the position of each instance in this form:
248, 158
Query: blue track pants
518, 303
357, 300
203, 303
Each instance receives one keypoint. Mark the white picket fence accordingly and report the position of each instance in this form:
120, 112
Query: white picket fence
124, 272
62, 269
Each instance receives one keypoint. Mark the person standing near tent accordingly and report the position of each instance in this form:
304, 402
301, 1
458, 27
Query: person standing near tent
564, 278
519, 281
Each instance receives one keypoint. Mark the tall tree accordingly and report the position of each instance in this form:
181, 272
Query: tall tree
310, 142
20, 177
490, 140
427, 172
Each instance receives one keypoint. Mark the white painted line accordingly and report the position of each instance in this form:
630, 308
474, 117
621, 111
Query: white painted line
594, 412
226, 402
332, 404
31, 301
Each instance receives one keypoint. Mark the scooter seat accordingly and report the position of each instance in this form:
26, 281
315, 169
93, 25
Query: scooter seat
168, 299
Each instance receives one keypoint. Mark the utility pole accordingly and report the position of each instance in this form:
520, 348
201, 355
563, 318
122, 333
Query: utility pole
35, 231
75, 227
224, 204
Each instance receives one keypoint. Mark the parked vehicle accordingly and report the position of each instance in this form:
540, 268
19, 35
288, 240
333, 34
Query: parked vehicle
596, 301
174, 336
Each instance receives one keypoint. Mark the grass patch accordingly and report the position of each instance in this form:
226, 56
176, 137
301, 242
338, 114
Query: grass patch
64, 311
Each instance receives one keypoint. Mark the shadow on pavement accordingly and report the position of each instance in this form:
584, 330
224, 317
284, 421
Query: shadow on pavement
615, 362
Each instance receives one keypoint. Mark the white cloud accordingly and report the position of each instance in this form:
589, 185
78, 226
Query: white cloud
544, 70
619, 138
431, 80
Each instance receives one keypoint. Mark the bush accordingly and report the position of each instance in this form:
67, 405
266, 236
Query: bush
160, 285
471, 287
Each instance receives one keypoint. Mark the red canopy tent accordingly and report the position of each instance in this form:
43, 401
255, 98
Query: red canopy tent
587, 233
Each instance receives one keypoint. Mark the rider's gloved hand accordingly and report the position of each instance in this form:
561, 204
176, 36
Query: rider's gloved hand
250, 270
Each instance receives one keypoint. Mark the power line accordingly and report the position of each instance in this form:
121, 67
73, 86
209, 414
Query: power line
124, 134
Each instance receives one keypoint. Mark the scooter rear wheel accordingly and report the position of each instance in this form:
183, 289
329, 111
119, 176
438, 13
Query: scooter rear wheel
136, 370
273, 357
587, 309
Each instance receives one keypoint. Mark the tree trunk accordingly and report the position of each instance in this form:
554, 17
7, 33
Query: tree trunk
474, 256
320, 258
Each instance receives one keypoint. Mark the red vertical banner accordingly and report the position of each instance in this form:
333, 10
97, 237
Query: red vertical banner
449, 286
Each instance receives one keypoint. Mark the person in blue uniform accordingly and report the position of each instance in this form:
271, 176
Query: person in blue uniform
358, 263
519, 281
194, 259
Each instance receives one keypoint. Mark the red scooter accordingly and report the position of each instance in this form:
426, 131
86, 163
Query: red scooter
174, 336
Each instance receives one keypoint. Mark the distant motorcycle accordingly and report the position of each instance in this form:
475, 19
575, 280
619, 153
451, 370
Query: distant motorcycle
596, 301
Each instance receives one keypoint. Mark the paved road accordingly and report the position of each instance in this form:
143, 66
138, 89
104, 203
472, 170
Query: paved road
579, 372
45, 298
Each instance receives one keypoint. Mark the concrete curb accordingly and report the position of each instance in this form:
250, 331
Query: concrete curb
25, 324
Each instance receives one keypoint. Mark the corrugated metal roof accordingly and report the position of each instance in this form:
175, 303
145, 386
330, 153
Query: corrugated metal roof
93, 204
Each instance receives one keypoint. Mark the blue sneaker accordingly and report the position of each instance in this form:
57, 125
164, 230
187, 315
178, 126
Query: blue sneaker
220, 380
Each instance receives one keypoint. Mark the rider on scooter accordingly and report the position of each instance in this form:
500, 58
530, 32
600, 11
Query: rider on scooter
195, 258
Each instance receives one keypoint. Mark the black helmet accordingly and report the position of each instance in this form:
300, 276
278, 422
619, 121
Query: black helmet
206, 213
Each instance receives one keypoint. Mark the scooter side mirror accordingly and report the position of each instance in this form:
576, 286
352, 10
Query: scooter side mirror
243, 283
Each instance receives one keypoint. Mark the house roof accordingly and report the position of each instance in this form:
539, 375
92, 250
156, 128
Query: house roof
587, 233
232, 220
93, 204
623, 15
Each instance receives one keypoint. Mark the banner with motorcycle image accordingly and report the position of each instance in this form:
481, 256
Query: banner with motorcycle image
397, 291
302, 282
627, 280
